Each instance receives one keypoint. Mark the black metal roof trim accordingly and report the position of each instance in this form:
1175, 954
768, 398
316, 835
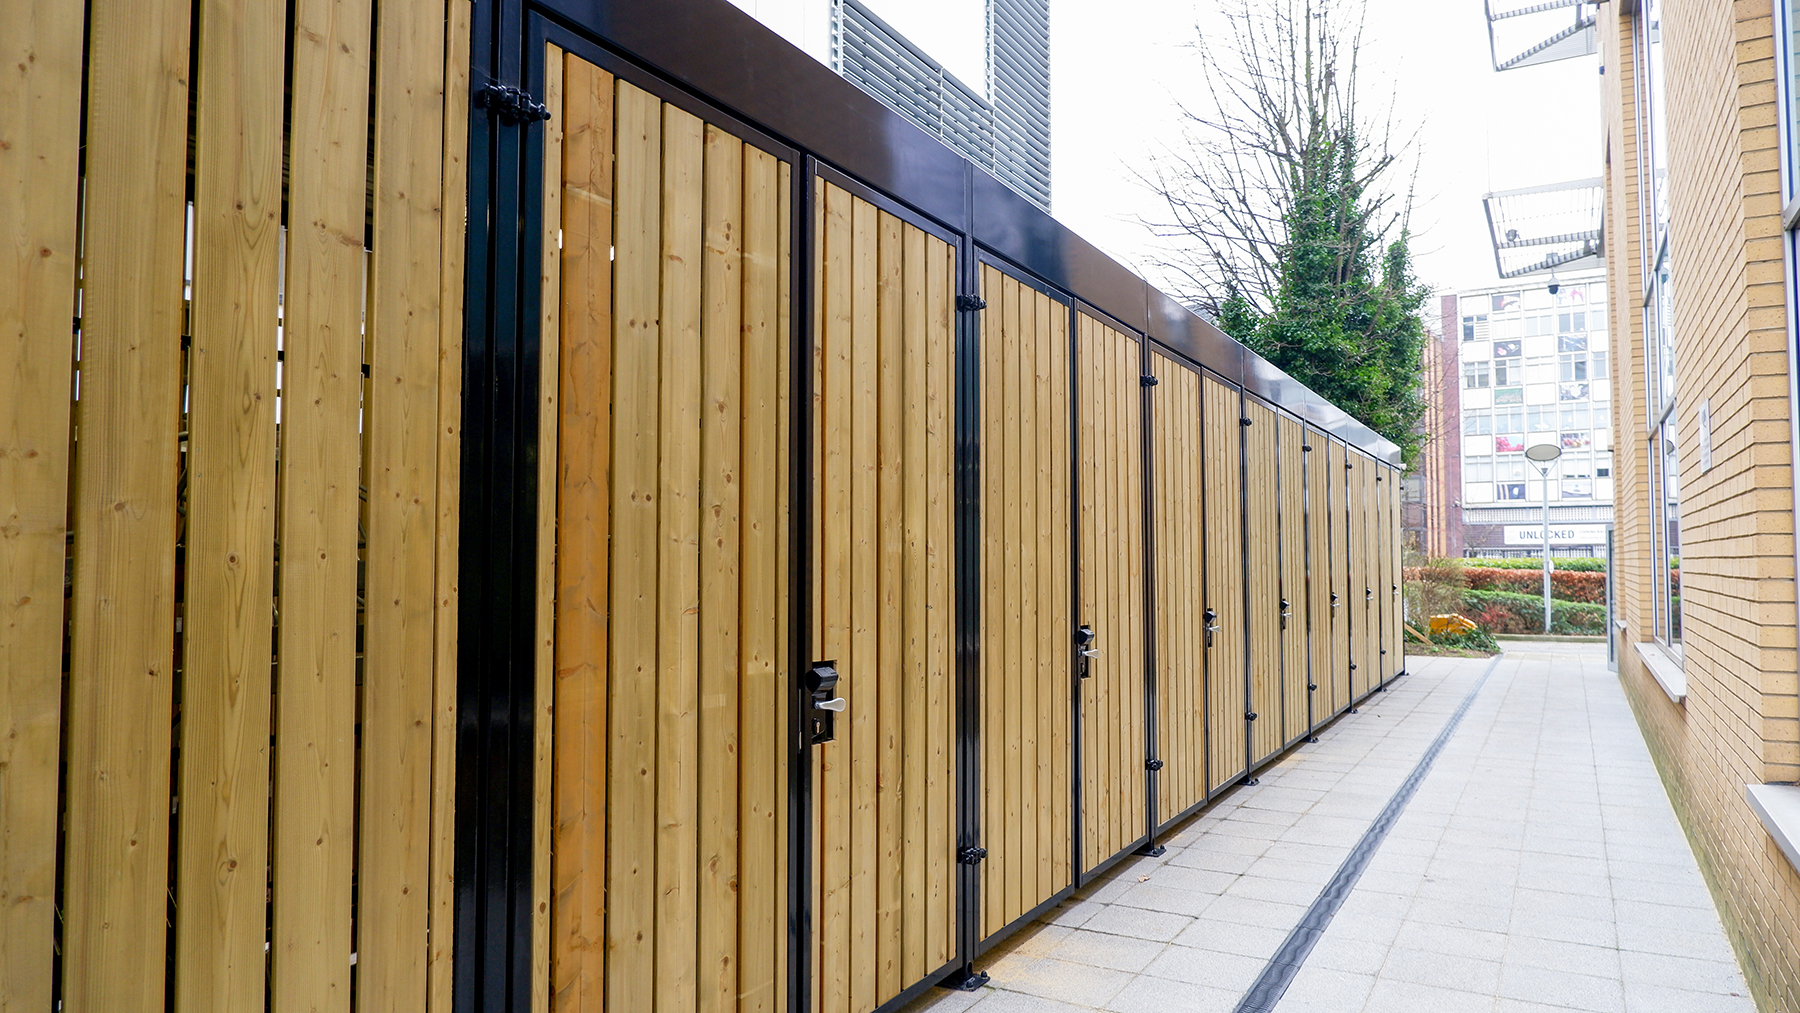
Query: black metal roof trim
727, 57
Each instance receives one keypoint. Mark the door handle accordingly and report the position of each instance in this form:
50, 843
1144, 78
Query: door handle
1212, 625
1334, 602
1287, 612
821, 686
1084, 646
1368, 594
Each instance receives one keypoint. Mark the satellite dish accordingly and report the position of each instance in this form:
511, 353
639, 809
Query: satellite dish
1544, 453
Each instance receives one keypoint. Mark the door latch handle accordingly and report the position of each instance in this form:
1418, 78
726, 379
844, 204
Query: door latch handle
821, 687
1368, 594
1334, 601
1287, 612
1211, 627
1084, 646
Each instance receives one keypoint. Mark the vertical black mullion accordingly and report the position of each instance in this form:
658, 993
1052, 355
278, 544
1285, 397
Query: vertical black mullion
1147, 417
1244, 569
801, 280
968, 600
1306, 534
1281, 588
1206, 603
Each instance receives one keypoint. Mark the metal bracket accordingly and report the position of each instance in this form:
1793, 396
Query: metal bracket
1153, 765
1244, 420
1152, 851
970, 303
1305, 449
1249, 715
964, 979
513, 105
1147, 380
971, 855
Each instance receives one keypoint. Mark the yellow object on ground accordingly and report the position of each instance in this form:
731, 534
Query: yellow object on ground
1451, 624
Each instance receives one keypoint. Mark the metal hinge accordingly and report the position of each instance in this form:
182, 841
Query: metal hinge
512, 105
1153, 765
1378, 476
1306, 448
971, 855
1147, 380
970, 303
1249, 715
1244, 421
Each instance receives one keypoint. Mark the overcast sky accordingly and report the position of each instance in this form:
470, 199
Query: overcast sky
1118, 67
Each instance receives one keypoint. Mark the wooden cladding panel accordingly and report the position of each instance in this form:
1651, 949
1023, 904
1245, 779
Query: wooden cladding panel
1337, 570
1396, 643
885, 615
1360, 476
1026, 626
1328, 697
1295, 698
1226, 696
287, 444
1112, 589
38, 193
670, 715
1262, 567
1180, 587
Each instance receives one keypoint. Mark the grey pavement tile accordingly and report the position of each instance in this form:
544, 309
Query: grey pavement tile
1293, 870
1672, 892
1567, 883
1485, 917
945, 1000
1065, 981
1229, 971
1101, 949
1389, 996
1197, 857
1327, 988
1183, 877
1343, 953
1715, 976
1268, 914
1495, 890
1646, 998
1674, 940
1038, 940
1146, 994
1283, 891
1561, 955
1444, 970
1074, 913
1154, 896
1561, 988
1572, 904
1699, 919
1451, 939
1368, 928
1232, 844
995, 1000
1259, 941
1143, 924
1297, 851
1262, 817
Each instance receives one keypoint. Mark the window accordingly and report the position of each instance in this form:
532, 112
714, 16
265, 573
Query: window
1574, 417
1572, 392
1478, 423
1510, 395
1661, 457
1507, 372
1509, 420
1540, 419
1475, 375
1507, 349
1474, 327
1506, 301
1510, 490
1570, 322
1572, 342
1572, 366
1539, 325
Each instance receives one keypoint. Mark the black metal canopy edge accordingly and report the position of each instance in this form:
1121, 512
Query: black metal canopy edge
725, 56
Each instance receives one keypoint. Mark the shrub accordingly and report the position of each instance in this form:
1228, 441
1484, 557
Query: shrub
1576, 564
1477, 639
1505, 612
1565, 585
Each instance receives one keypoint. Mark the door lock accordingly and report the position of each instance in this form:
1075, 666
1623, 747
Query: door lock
1084, 647
1287, 612
1212, 625
821, 686
1334, 603
1368, 594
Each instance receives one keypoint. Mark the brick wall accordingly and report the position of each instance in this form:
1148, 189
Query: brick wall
1739, 723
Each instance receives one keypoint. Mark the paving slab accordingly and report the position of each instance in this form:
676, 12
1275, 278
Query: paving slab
1536, 866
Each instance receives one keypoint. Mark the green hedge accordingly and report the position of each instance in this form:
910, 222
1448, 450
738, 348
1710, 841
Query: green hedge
1577, 564
1505, 612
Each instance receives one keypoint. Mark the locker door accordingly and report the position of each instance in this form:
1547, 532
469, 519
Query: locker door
1296, 718
1109, 444
1178, 467
883, 609
1223, 615
1262, 571
1026, 626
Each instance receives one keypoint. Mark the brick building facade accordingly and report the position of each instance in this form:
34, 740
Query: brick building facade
1698, 111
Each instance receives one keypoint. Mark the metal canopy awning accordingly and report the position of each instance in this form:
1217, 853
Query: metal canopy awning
1542, 33
1544, 228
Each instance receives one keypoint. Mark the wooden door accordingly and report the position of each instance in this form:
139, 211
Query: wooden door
1386, 537
1026, 625
1262, 571
1396, 641
883, 611
669, 711
1360, 477
1177, 476
1110, 452
1296, 715
1328, 691
1226, 694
